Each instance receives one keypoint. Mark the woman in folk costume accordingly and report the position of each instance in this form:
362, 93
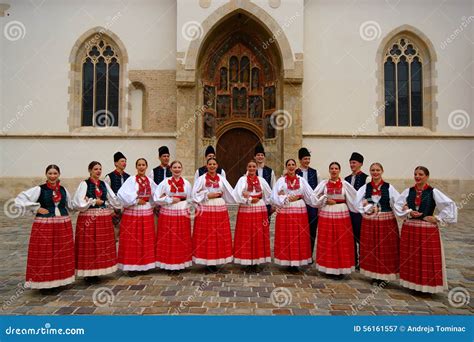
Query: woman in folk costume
290, 194
379, 239
335, 239
212, 238
173, 241
137, 228
96, 254
50, 261
252, 230
422, 265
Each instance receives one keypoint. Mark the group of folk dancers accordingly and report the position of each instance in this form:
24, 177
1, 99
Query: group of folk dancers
351, 223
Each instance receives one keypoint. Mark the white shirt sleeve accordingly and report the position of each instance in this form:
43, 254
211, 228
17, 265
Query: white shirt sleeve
360, 197
447, 209
319, 194
400, 203
276, 199
112, 198
351, 194
28, 200
79, 201
238, 191
127, 193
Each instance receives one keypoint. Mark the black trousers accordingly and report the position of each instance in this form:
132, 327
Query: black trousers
356, 220
313, 225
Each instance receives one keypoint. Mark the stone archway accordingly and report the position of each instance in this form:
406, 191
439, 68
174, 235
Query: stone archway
244, 23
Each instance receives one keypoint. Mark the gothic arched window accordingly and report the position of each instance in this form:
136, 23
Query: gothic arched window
403, 84
100, 90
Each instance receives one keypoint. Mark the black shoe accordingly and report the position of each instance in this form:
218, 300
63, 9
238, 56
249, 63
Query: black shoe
212, 269
92, 280
132, 274
47, 292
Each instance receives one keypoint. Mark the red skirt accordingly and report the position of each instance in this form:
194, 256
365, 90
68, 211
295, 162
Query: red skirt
95, 243
379, 246
137, 239
292, 238
174, 247
50, 253
335, 240
422, 266
252, 235
212, 238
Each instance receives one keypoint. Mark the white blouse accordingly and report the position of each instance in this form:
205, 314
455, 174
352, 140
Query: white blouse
128, 192
348, 192
242, 186
165, 189
447, 209
304, 190
28, 199
81, 204
200, 191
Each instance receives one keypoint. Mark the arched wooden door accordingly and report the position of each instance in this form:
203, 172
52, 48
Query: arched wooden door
234, 149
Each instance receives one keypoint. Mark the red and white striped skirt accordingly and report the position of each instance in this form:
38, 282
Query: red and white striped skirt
174, 246
50, 253
95, 243
252, 235
292, 237
212, 238
137, 239
335, 240
422, 266
379, 246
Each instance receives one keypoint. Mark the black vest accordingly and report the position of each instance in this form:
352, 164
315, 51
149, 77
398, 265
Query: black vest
267, 175
359, 182
312, 177
46, 201
91, 193
116, 180
384, 199
427, 205
159, 174
203, 169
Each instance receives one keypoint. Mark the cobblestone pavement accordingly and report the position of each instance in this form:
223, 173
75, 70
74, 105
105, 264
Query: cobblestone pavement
272, 291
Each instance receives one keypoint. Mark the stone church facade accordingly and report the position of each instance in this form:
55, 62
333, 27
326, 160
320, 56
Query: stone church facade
393, 81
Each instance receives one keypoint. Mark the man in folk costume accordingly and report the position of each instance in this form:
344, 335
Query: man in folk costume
162, 171
311, 176
115, 179
357, 179
264, 171
210, 153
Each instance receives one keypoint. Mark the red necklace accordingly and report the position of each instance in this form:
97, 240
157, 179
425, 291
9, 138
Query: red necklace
176, 185
98, 191
212, 182
292, 182
56, 191
376, 189
253, 184
419, 193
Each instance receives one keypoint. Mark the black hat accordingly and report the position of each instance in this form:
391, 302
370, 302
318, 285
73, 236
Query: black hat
163, 150
303, 152
118, 156
259, 149
209, 150
357, 157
